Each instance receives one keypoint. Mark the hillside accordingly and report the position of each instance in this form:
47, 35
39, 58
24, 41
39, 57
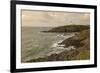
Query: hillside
76, 40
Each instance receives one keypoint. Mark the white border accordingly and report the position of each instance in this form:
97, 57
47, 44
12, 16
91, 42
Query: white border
51, 64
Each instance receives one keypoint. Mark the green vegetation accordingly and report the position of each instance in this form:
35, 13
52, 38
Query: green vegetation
85, 54
81, 41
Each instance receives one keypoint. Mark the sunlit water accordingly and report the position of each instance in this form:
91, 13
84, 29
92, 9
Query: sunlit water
39, 44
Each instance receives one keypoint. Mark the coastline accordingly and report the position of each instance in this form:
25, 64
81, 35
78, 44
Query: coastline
76, 47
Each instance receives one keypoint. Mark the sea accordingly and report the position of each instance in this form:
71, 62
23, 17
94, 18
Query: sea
35, 43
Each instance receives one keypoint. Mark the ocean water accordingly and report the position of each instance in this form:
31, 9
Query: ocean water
36, 43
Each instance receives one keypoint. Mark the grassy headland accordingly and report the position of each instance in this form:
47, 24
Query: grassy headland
68, 28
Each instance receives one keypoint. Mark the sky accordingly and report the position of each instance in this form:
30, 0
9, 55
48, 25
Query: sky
53, 19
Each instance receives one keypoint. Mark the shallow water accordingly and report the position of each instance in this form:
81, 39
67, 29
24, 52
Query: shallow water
38, 44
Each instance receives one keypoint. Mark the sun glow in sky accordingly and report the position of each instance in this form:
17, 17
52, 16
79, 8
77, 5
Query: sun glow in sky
52, 19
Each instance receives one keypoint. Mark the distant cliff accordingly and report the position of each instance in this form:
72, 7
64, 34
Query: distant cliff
69, 28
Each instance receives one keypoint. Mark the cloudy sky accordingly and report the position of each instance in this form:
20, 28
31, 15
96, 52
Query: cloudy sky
52, 19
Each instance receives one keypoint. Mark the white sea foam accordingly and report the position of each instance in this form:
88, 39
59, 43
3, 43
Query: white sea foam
61, 47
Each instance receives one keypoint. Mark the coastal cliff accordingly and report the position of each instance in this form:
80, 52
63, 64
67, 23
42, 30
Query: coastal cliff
80, 41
